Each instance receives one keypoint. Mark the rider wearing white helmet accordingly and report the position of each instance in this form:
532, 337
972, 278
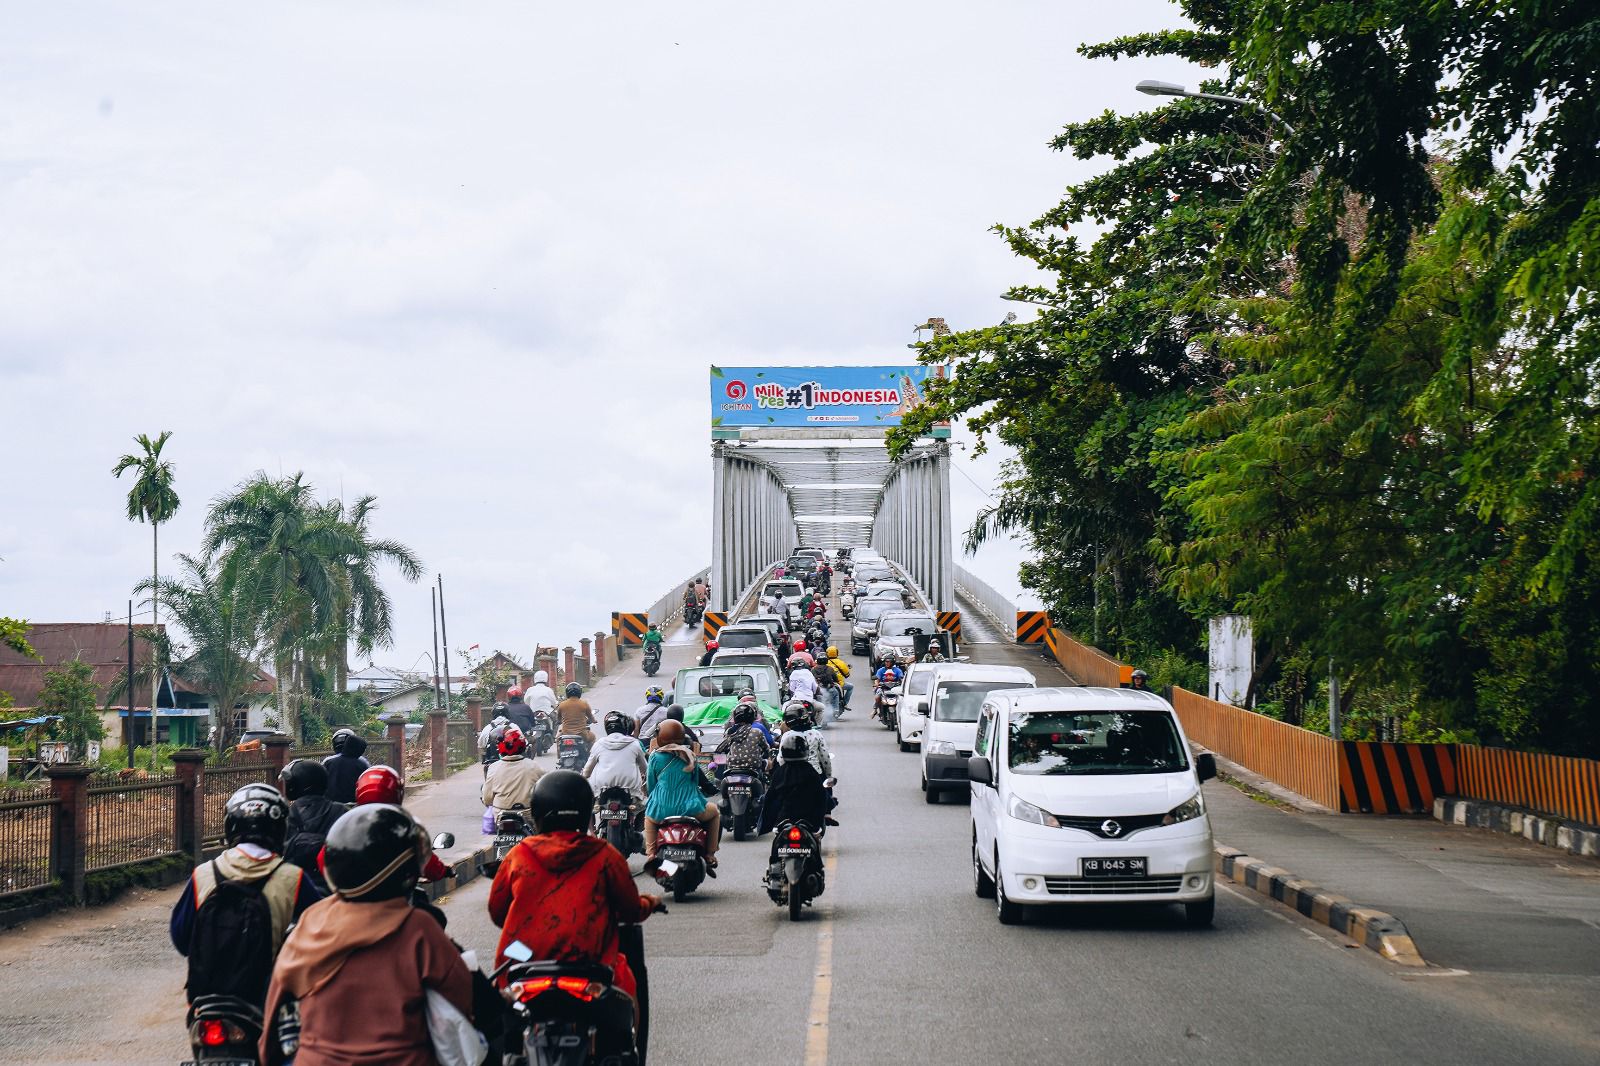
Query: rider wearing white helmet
541, 697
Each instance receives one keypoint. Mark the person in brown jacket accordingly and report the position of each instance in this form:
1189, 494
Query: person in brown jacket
360, 963
576, 714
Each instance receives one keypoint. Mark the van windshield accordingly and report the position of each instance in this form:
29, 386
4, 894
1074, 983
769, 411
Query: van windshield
959, 701
1107, 742
900, 627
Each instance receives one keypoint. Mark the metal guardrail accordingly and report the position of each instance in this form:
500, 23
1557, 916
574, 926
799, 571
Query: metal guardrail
670, 606
993, 606
131, 821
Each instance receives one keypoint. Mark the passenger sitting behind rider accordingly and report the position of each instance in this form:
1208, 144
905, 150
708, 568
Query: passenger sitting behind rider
673, 781
616, 760
576, 714
744, 745
511, 780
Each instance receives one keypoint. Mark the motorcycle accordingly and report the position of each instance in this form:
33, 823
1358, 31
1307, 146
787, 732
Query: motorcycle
847, 606
888, 709
223, 1030
795, 876
741, 800
693, 613
616, 820
572, 751
681, 845
544, 732
652, 659
509, 829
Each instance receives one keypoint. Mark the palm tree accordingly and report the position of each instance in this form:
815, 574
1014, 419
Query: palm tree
152, 499
367, 614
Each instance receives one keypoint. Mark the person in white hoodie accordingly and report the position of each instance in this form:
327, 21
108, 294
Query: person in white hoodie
617, 760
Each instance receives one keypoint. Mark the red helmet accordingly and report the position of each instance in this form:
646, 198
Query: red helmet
800, 645
711, 645
513, 692
512, 742
380, 784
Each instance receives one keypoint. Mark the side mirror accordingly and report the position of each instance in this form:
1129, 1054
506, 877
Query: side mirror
519, 951
443, 841
1205, 765
979, 772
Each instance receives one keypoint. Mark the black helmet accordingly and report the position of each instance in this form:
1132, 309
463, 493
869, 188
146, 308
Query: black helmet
574, 690
303, 777
339, 737
793, 747
675, 712
619, 722
256, 814
374, 852
562, 800
1139, 679
744, 714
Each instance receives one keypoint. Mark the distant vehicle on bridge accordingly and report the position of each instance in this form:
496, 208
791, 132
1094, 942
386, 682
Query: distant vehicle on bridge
746, 635
864, 627
897, 633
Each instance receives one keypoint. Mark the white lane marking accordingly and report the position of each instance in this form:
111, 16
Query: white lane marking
1254, 899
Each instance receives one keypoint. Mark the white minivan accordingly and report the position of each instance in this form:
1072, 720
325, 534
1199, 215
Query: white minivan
912, 714
1088, 795
954, 696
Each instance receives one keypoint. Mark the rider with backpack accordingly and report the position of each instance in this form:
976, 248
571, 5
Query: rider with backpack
311, 815
232, 917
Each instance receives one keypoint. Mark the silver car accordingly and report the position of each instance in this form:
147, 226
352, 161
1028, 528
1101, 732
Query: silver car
897, 631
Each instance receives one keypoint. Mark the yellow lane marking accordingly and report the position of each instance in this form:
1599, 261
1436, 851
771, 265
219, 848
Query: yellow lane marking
822, 983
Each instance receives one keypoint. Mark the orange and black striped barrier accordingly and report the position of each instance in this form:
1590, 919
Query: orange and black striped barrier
629, 627
1381, 778
713, 623
951, 621
1557, 784
1032, 626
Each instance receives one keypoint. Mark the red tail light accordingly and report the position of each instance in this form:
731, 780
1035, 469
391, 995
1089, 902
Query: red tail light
576, 987
614, 806
526, 990
795, 835
213, 1033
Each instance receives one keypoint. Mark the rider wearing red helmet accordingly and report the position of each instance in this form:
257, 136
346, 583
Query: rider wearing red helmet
511, 780
381, 784
711, 649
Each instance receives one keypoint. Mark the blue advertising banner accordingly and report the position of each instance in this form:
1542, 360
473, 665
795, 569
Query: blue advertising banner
816, 397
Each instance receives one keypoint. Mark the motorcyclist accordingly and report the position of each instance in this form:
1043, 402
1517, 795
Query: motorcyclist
519, 713
745, 746
747, 697
841, 668
651, 641
489, 739
576, 714
711, 649
345, 764
562, 893
889, 674
254, 823
673, 781
802, 650
674, 713
541, 697
802, 682
797, 719
1140, 681
365, 946
617, 761
796, 792
654, 700
511, 780
304, 783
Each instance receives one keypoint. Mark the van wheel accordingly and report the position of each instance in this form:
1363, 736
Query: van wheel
1199, 915
982, 883
1008, 913
904, 746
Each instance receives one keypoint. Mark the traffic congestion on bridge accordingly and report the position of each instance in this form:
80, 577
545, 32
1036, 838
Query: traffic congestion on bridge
1186, 651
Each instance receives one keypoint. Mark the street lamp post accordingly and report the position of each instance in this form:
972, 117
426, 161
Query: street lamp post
1151, 87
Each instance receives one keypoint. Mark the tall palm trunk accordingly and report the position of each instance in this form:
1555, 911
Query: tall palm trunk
155, 610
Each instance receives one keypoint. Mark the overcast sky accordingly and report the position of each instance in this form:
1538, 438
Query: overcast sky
475, 259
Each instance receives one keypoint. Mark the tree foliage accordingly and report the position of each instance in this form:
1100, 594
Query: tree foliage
70, 693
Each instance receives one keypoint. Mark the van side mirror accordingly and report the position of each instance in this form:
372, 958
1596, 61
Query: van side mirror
443, 841
1205, 765
979, 772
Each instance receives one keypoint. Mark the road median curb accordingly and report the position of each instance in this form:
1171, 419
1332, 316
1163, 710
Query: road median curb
1377, 930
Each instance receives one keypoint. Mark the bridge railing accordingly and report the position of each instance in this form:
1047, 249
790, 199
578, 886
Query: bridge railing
670, 606
998, 609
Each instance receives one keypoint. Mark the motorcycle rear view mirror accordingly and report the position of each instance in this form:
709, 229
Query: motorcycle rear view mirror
519, 951
444, 840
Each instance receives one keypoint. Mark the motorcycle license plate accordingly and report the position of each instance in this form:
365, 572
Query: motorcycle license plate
794, 851
680, 854
614, 816
738, 790
218, 1062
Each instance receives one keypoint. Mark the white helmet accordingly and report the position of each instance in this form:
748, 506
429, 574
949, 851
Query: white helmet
541, 678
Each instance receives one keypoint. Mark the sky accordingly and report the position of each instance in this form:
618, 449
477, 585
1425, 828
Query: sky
474, 259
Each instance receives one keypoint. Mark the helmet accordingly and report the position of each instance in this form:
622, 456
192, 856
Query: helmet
541, 678
499, 710
514, 692
744, 714
380, 785
339, 737
800, 644
374, 853
574, 690
796, 715
711, 645
654, 694
256, 814
512, 742
303, 777
670, 732
619, 722
562, 800
833, 653
1139, 678
655, 625
675, 712
793, 747
747, 693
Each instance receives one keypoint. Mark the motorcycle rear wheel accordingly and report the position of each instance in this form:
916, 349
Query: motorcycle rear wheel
795, 903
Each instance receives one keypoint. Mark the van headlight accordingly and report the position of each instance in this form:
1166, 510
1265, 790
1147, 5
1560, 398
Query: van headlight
940, 747
1188, 810
1023, 811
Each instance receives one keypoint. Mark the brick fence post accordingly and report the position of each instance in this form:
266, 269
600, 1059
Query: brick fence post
547, 663
436, 744
569, 669
475, 715
394, 727
526, 681
277, 753
69, 836
190, 767
585, 674
599, 654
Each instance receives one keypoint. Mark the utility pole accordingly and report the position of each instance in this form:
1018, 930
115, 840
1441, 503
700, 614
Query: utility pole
444, 630
1333, 701
433, 610
128, 733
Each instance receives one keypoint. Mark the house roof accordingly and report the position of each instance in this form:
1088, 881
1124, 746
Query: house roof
103, 645
499, 658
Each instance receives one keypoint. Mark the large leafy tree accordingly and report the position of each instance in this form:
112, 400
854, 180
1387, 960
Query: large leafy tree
69, 693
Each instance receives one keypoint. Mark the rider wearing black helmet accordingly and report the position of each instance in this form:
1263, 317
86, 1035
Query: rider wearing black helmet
796, 792
311, 815
1139, 680
254, 824
368, 945
562, 892
747, 750
345, 765
616, 760
575, 713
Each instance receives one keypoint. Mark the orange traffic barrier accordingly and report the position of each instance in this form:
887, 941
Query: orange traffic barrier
1297, 759
629, 626
1555, 784
1031, 626
1382, 778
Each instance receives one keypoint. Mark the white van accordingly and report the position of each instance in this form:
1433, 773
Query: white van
912, 713
954, 697
1089, 795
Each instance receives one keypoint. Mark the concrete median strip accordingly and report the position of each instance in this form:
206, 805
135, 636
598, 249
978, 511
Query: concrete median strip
1375, 929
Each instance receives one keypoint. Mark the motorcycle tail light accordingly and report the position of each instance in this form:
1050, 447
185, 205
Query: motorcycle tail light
579, 987
522, 991
794, 835
614, 806
213, 1033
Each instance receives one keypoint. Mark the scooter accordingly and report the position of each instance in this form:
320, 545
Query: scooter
509, 829
544, 733
652, 659
616, 820
681, 846
888, 709
693, 613
572, 751
224, 1030
847, 606
795, 876
741, 800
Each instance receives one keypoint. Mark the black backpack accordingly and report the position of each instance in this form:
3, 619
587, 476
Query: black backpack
231, 946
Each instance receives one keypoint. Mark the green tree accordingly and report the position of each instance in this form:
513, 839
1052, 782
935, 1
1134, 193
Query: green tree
70, 693
152, 499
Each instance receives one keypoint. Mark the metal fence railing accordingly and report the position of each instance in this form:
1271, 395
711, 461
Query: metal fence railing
670, 606
381, 752
131, 821
461, 743
999, 610
25, 827
220, 782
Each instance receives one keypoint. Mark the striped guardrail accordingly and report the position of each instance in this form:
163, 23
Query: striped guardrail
1556, 784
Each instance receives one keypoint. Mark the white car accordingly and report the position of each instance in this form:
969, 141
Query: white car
792, 591
748, 657
954, 696
912, 713
1089, 795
